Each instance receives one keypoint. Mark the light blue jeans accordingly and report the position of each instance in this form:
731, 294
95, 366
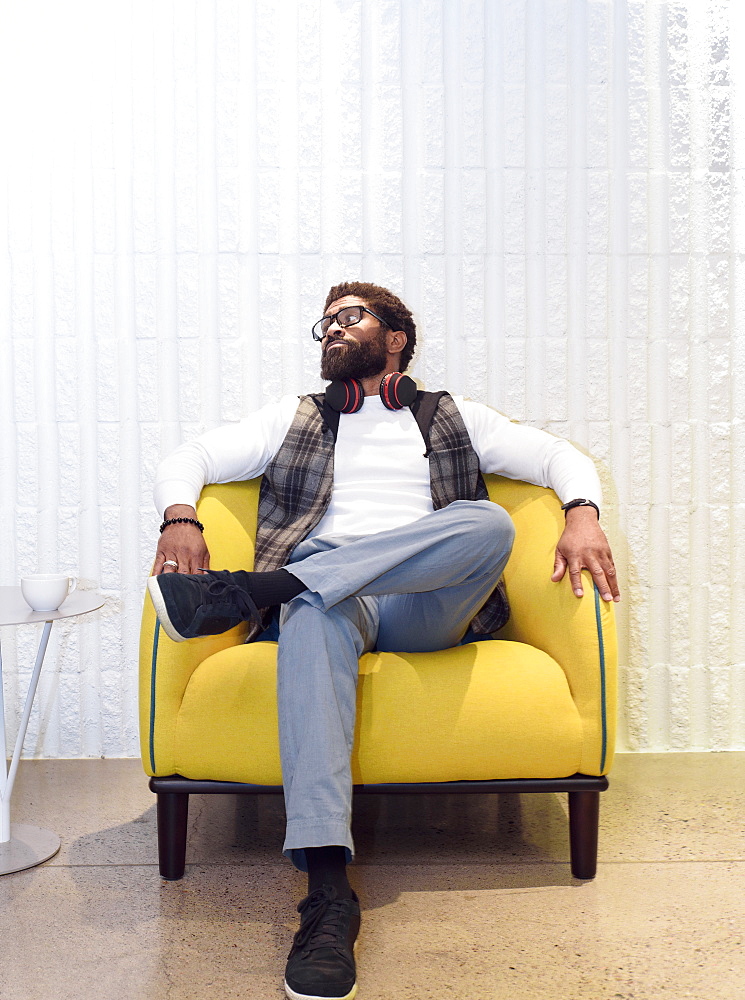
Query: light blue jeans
413, 589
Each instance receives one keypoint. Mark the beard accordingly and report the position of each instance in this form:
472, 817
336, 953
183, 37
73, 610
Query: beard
355, 360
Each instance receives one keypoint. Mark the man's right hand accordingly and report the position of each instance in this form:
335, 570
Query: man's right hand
182, 544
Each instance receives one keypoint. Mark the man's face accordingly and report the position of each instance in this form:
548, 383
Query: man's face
359, 351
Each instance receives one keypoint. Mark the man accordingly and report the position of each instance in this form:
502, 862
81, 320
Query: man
374, 533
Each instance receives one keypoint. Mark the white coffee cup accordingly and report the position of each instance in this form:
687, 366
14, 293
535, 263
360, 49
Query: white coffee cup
46, 591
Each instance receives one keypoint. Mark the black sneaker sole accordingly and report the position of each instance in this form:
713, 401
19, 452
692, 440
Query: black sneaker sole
160, 609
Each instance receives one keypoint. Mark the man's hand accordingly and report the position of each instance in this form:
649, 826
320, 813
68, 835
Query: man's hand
583, 545
181, 544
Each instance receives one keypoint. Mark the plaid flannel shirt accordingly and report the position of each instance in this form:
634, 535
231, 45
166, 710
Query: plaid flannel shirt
296, 487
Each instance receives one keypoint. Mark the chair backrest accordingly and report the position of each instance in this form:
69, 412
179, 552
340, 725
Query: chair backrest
535, 511
540, 608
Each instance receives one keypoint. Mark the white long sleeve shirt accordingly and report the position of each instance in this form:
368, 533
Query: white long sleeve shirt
381, 474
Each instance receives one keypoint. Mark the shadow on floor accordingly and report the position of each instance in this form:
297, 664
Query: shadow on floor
437, 842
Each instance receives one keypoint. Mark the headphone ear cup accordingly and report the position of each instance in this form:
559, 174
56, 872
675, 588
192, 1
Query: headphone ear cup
345, 395
397, 391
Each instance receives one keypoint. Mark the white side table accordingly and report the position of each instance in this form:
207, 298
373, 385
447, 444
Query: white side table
23, 846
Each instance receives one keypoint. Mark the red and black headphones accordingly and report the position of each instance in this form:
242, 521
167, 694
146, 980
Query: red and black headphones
396, 391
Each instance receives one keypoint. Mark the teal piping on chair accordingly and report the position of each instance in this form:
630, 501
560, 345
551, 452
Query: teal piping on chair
152, 693
603, 710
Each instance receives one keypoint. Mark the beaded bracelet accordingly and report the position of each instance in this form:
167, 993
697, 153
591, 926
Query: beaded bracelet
182, 520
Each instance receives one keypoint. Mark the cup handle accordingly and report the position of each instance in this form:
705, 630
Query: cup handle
72, 582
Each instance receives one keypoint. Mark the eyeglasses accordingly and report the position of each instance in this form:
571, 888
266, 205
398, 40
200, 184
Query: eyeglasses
348, 316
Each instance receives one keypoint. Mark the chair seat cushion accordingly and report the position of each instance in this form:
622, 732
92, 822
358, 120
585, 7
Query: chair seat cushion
483, 711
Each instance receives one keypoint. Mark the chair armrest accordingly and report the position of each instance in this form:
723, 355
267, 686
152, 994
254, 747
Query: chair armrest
228, 512
579, 633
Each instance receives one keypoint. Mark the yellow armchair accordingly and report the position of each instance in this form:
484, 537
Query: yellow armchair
532, 711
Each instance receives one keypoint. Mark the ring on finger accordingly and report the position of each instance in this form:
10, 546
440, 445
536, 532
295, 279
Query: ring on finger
171, 562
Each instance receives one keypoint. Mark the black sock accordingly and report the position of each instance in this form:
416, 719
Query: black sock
275, 587
328, 866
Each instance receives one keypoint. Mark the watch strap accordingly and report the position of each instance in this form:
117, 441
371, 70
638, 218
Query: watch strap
580, 502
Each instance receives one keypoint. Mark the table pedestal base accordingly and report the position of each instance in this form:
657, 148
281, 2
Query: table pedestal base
23, 846
28, 846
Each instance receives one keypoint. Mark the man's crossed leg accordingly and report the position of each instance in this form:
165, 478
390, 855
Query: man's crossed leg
415, 589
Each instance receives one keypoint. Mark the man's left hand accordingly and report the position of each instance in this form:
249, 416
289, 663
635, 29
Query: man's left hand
583, 545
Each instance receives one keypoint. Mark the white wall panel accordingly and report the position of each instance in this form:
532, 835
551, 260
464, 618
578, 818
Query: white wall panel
557, 187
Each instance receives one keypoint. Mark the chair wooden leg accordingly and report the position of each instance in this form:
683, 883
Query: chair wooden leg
584, 815
173, 812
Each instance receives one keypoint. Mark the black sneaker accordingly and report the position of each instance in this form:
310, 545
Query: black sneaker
207, 603
320, 965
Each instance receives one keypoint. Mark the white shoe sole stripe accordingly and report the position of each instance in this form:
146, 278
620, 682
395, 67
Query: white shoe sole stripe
309, 996
160, 609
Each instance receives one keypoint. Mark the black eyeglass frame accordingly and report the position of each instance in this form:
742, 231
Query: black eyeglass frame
335, 317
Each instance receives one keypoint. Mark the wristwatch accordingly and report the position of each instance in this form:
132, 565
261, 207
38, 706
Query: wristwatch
580, 502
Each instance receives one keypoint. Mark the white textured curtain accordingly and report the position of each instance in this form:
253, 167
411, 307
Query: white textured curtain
554, 186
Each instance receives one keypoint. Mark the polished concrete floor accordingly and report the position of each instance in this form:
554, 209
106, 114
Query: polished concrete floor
466, 897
